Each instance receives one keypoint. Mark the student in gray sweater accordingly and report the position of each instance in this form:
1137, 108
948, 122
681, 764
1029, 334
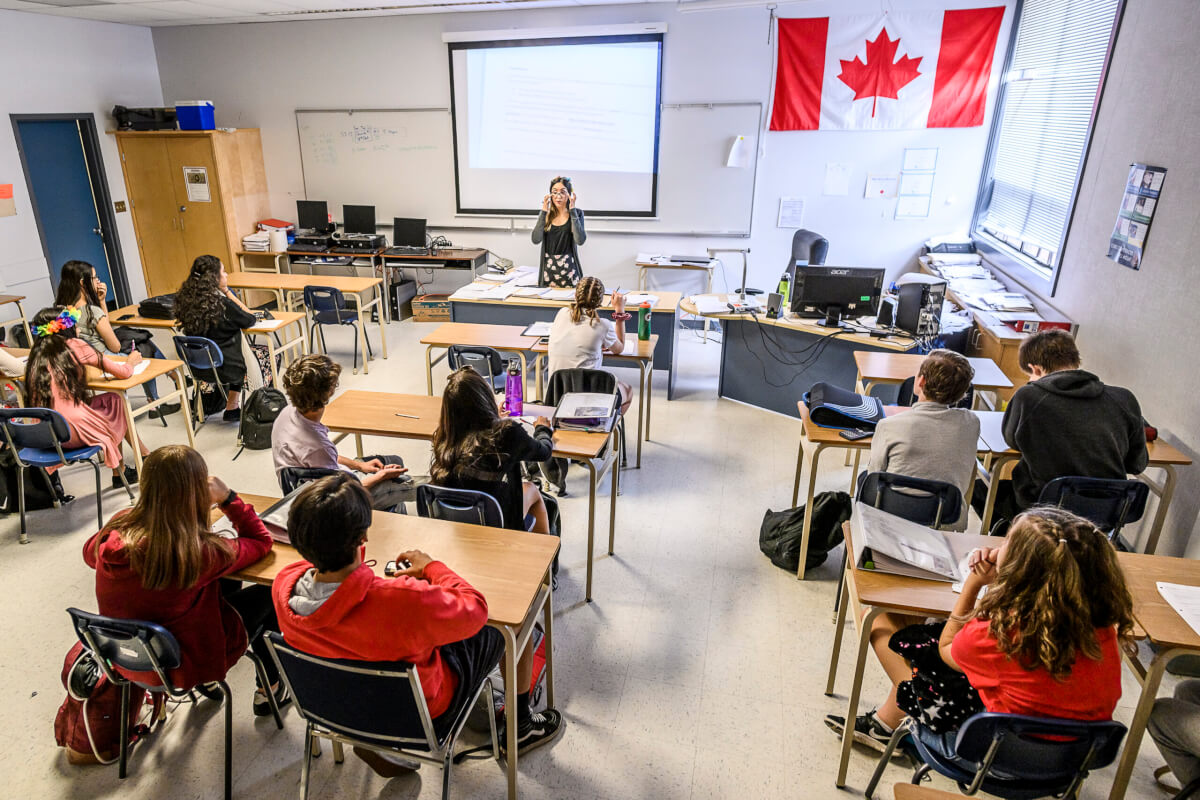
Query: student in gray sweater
932, 440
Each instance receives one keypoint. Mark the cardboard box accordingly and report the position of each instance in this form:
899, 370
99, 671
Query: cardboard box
431, 308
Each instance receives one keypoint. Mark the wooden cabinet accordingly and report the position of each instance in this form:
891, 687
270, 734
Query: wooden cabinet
192, 193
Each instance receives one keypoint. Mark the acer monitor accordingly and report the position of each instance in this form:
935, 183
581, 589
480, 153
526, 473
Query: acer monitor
836, 292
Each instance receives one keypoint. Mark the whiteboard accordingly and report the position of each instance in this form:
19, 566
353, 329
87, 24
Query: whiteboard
402, 162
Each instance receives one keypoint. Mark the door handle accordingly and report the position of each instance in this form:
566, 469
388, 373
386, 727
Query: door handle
182, 209
98, 232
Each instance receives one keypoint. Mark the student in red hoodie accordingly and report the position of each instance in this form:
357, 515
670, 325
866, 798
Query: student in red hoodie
160, 561
333, 605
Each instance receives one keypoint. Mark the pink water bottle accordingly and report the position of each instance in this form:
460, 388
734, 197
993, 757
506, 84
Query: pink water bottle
513, 390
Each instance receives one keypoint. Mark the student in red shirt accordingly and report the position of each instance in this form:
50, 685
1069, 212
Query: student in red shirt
160, 561
1043, 641
333, 605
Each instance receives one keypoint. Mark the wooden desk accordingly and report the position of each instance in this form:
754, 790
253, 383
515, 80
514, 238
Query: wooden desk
670, 265
1165, 629
354, 288
664, 321
278, 259
510, 569
458, 259
16, 299
894, 368
359, 413
1162, 456
870, 594
157, 368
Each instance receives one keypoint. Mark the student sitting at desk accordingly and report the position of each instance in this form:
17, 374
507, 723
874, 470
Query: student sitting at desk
1065, 422
56, 378
559, 230
298, 439
1043, 641
206, 307
579, 338
332, 605
473, 448
932, 440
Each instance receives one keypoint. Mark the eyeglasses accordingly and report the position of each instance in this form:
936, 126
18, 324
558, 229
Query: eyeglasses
558, 193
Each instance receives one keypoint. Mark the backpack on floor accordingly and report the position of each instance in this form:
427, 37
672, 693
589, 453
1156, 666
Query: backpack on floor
781, 534
38, 493
259, 413
88, 722
477, 720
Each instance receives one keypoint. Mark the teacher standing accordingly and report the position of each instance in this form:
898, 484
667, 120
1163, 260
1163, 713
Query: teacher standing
559, 230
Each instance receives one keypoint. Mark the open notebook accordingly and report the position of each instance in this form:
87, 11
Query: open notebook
886, 543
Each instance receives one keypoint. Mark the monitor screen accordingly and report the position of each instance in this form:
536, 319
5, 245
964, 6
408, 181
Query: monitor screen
358, 219
311, 215
408, 232
851, 291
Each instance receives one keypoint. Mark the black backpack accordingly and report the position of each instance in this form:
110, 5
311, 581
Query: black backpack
259, 413
780, 535
160, 306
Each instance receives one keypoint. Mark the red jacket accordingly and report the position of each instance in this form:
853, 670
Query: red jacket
210, 632
387, 619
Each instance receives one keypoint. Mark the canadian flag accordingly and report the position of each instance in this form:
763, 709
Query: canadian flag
904, 70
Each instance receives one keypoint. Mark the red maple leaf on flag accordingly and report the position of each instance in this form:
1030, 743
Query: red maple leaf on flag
879, 76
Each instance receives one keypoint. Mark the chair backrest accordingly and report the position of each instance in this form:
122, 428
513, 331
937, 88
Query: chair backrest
198, 352
379, 702
324, 298
1109, 503
131, 644
484, 360
919, 500
38, 428
808, 246
563, 381
1022, 749
907, 397
459, 505
291, 478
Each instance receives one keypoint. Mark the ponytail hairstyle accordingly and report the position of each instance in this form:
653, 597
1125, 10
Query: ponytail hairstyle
589, 294
566, 182
1058, 583
51, 361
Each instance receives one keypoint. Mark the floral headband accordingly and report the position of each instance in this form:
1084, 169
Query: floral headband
62, 322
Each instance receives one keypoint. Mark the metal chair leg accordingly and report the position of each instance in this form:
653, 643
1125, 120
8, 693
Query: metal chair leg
21, 501
446, 776
306, 767
339, 753
261, 670
886, 758
321, 331
124, 482
99, 500
124, 722
356, 349
228, 739
920, 773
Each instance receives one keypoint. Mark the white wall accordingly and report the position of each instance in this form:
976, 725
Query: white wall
1135, 326
58, 65
259, 74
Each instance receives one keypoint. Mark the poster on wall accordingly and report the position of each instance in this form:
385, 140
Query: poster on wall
196, 179
1128, 240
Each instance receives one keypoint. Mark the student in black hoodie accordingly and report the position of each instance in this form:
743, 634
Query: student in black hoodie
1064, 422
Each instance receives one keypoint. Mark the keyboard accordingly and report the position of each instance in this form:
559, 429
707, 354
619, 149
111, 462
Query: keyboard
406, 250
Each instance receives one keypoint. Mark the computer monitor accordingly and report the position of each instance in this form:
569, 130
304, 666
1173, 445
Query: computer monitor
312, 215
834, 292
358, 219
408, 232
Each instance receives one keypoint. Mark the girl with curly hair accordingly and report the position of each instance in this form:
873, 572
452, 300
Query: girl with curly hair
204, 306
1043, 640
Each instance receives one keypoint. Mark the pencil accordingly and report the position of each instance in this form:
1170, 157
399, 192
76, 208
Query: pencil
410, 416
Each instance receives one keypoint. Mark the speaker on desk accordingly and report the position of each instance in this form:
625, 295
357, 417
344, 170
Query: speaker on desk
774, 301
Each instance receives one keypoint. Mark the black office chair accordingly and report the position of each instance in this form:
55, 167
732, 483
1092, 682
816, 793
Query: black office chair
201, 357
597, 381
1187, 791
807, 246
1109, 503
374, 705
327, 306
140, 646
292, 478
487, 361
459, 505
906, 396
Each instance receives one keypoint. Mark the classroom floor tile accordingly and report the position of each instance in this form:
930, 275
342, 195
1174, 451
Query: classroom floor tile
698, 672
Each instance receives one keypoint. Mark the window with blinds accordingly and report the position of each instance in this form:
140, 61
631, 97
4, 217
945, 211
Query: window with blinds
1045, 110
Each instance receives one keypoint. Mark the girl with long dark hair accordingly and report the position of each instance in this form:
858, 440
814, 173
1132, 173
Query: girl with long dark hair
56, 377
473, 448
206, 307
559, 230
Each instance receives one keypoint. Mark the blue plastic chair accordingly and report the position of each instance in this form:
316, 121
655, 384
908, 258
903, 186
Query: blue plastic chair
141, 646
327, 306
35, 436
1108, 503
1010, 756
459, 505
487, 361
202, 357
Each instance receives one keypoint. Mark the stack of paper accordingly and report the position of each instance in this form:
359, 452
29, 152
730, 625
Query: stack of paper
259, 242
634, 299
559, 294
528, 291
888, 543
472, 291
495, 277
530, 279
1008, 301
1184, 599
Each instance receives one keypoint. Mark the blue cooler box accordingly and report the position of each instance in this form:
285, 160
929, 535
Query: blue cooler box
195, 115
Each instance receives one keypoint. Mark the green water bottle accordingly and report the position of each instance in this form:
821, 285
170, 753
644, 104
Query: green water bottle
785, 288
644, 322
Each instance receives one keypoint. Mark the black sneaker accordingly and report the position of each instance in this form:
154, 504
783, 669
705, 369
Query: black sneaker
131, 477
544, 727
868, 730
165, 410
232, 414
262, 706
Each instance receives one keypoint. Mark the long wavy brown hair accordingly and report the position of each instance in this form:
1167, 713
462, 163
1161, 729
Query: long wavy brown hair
469, 427
566, 182
589, 294
51, 362
198, 303
1058, 583
166, 534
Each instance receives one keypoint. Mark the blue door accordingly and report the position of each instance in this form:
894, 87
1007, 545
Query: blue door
61, 190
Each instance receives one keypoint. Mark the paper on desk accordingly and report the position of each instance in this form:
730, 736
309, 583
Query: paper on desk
141, 367
537, 329
529, 291
526, 280
637, 298
224, 528
1184, 599
500, 292
495, 277
710, 304
560, 294
630, 347
262, 325
472, 291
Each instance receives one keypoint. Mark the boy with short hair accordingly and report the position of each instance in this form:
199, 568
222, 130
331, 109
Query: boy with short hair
298, 439
1065, 422
933, 440
332, 605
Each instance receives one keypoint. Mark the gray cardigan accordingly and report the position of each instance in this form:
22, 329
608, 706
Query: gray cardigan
578, 236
